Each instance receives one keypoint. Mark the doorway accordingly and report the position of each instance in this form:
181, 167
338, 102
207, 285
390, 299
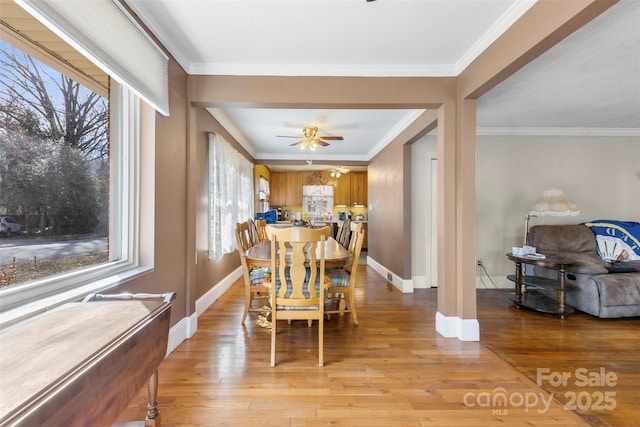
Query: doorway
424, 221
432, 252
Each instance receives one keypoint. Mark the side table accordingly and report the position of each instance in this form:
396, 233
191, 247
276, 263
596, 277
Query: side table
524, 284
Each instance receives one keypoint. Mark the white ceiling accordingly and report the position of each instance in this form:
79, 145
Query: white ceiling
587, 84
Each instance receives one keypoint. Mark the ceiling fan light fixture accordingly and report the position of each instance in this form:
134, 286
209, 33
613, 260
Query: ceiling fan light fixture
311, 139
309, 132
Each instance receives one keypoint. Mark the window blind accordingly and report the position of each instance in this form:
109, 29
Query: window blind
110, 37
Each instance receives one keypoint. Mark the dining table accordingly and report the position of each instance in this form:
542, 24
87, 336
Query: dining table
335, 255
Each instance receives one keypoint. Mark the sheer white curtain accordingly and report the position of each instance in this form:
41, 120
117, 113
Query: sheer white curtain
230, 195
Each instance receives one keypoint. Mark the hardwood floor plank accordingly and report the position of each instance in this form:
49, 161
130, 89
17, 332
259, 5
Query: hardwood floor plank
393, 369
577, 346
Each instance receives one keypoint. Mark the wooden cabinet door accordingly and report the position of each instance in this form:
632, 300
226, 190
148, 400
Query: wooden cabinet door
294, 189
342, 191
277, 189
359, 188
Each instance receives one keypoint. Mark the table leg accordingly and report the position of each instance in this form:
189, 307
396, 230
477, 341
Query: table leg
562, 292
153, 415
518, 282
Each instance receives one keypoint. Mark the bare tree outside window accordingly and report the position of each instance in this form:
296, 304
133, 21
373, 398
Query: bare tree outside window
54, 163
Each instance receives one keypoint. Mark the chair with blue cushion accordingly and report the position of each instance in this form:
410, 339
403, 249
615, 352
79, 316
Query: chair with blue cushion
344, 279
298, 282
253, 277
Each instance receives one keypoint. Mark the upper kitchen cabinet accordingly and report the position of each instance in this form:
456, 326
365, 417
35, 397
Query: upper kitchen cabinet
278, 189
359, 191
293, 189
286, 187
342, 191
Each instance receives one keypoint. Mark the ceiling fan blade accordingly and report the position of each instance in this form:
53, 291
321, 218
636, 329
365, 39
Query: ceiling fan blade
295, 143
286, 136
332, 138
321, 142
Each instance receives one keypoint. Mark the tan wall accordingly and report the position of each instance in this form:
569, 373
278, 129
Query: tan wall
389, 180
170, 267
600, 174
208, 273
181, 204
385, 231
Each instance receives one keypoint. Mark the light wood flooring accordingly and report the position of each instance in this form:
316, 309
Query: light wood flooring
394, 369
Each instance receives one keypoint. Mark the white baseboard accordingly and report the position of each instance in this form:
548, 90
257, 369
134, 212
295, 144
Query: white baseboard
447, 326
181, 331
205, 301
188, 326
455, 327
404, 285
420, 282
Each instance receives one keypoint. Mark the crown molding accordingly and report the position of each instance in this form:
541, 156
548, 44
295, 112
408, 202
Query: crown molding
557, 131
495, 31
305, 155
332, 70
178, 51
230, 127
400, 126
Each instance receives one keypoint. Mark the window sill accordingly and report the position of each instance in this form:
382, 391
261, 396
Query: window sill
41, 305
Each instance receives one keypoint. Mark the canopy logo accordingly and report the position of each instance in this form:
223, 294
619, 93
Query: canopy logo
500, 400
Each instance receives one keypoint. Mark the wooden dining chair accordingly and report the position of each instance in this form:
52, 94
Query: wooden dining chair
253, 276
341, 293
327, 230
261, 225
298, 282
344, 232
353, 227
253, 232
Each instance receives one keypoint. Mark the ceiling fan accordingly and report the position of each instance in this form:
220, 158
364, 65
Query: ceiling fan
311, 139
337, 171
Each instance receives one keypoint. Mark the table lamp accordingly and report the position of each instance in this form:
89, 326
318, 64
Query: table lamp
552, 203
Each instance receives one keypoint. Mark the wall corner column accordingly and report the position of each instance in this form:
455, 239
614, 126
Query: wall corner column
456, 315
466, 219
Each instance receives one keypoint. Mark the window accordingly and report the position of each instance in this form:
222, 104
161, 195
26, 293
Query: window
64, 180
230, 195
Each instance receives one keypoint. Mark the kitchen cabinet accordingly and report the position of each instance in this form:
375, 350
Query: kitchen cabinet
277, 196
342, 191
286, 189
293, 189
359, 188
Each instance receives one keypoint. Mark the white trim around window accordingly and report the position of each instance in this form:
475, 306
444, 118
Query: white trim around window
131, 176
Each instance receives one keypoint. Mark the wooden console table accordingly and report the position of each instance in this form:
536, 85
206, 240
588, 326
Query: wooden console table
524, 285
82, 363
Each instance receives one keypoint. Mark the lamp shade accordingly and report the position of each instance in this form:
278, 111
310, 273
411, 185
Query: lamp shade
554, 203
